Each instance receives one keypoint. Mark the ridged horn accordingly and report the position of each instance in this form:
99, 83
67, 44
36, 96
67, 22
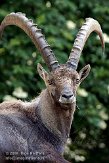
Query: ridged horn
87, 28
20, 20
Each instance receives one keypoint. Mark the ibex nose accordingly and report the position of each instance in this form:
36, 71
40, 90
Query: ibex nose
67, 95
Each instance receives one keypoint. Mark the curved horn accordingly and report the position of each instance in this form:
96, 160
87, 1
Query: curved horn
87, 28
20, 20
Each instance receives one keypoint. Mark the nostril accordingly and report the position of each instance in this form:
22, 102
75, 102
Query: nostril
67, 96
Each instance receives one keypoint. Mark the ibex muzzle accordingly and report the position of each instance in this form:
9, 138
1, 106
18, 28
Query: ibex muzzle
67, 96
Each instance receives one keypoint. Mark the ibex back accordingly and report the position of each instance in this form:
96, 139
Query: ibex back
38, 130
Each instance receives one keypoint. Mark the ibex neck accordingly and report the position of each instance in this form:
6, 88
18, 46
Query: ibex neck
55, 118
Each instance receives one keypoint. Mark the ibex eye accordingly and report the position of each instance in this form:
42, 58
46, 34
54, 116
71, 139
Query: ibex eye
77, 81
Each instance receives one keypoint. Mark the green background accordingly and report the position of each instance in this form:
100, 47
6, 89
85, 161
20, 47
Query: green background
60, 21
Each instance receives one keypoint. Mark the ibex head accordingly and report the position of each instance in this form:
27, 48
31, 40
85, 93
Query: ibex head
63, 80
62, 83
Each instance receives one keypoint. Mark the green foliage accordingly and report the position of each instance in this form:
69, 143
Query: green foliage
60, 22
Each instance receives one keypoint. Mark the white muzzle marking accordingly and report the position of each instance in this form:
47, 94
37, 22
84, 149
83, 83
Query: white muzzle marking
67, 101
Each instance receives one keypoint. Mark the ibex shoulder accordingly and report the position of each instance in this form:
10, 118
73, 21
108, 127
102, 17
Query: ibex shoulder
19, 107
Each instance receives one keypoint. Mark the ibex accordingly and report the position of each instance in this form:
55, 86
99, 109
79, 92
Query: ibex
38, 130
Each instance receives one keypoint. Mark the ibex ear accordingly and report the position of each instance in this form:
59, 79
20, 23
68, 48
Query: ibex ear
43, 74
84, 72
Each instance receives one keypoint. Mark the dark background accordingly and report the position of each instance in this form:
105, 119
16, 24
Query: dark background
60, 21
